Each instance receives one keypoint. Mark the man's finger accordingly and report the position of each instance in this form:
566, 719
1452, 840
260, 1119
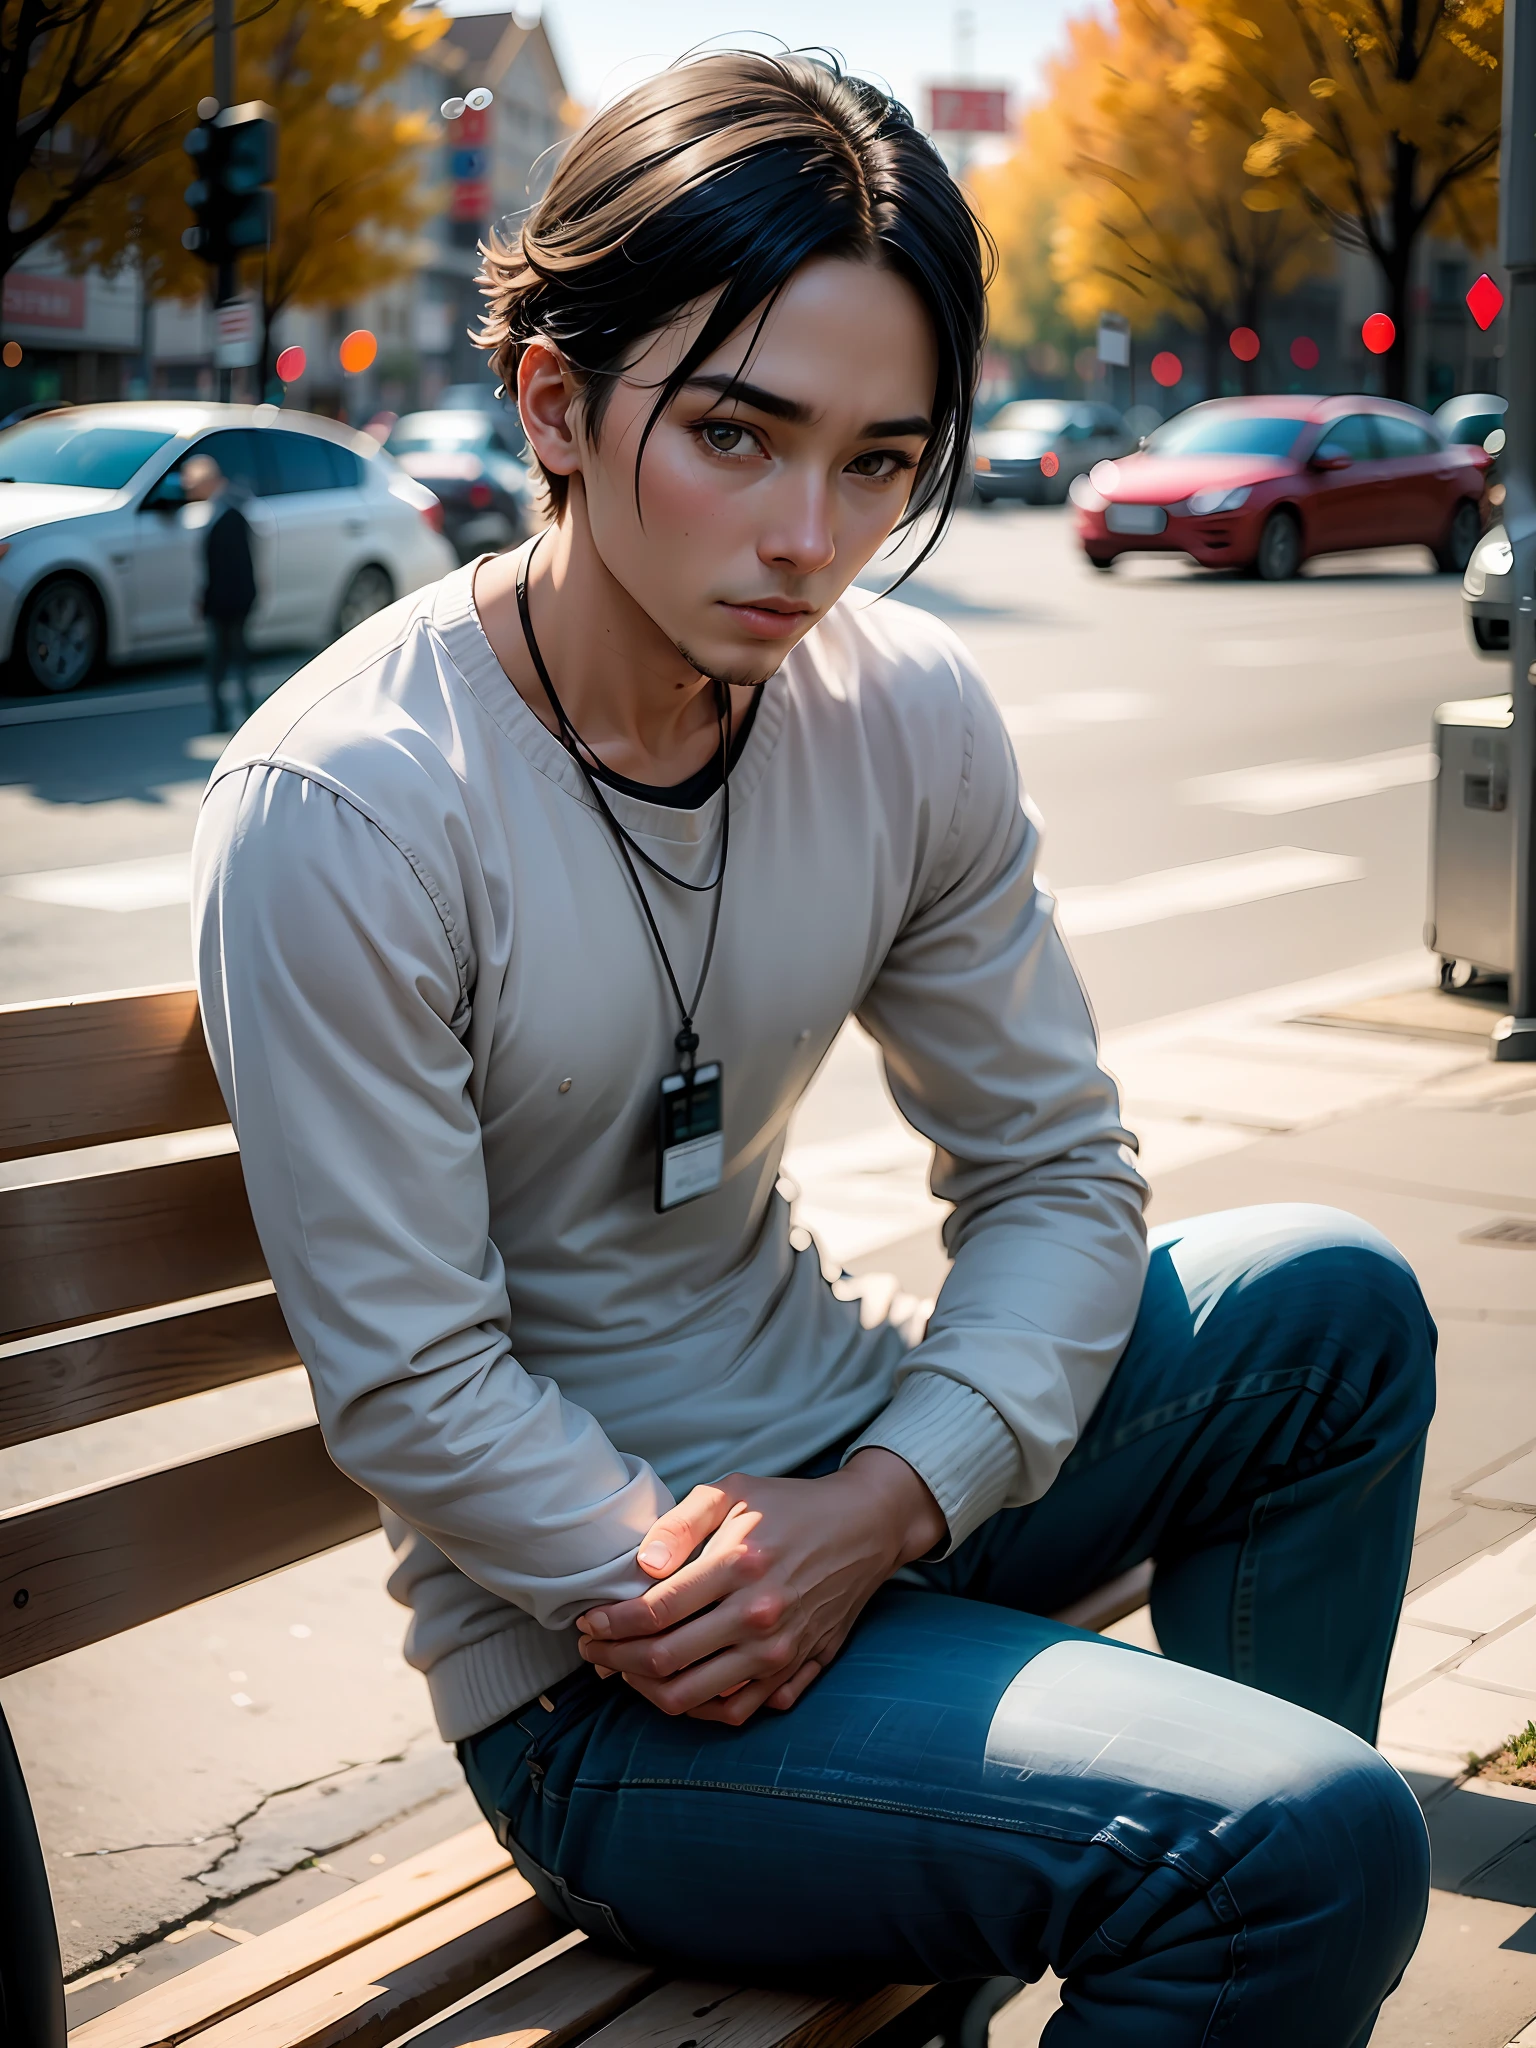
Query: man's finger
671, 1541
785, 1696
688, 1591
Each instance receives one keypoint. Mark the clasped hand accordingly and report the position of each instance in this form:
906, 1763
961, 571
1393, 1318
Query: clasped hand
785, 1568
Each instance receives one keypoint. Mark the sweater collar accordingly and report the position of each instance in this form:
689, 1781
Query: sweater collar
457, 624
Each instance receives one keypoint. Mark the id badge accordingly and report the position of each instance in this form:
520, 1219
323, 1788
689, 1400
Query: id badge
690, 1137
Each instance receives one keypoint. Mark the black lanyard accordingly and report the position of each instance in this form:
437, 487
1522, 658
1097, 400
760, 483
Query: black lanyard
687, 1039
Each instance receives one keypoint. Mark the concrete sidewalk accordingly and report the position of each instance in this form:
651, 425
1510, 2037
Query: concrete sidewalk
217, 1771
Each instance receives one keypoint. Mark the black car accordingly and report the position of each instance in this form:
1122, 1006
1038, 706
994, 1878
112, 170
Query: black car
489, 500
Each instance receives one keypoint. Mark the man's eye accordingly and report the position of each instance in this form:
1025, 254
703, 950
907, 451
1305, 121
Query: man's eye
877, 464
726, 438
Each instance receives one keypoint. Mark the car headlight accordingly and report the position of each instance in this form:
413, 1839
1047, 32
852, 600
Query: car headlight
1204, 503
1084, 496
1493, 556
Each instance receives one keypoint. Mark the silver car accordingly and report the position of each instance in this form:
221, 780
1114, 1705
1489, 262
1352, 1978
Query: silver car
100, 552
1032, 448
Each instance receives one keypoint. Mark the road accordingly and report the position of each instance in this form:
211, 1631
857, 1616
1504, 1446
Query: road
1144, 706
1232, 779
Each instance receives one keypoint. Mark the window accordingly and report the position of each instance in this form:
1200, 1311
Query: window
1473, 428
1401, 438
1354, 436
1199, 432
69, 448
304, 462
235, 450
1450, 283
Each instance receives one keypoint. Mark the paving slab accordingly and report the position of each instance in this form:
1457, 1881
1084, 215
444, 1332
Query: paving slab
1419, 1651
1469, 1985
1452, 1720
1487, 1594
1511, 1486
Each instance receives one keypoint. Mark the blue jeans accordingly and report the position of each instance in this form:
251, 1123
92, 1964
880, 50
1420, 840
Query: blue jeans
972, 1791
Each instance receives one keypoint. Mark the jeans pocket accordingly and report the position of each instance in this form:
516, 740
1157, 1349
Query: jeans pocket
591, 1917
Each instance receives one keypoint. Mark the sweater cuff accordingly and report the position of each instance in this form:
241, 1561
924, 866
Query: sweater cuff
956, 1443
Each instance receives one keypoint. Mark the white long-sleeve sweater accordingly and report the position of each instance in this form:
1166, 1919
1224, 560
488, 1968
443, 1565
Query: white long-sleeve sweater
413, 928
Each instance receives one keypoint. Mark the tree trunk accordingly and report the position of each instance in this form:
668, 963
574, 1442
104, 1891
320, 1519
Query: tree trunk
1397, 264
1215, 343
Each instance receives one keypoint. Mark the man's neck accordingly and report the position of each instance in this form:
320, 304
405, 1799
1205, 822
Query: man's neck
646, 712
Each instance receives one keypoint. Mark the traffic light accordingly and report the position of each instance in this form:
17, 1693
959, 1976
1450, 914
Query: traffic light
231, 200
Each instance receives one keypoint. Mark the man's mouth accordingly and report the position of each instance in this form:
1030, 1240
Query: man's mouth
769, 618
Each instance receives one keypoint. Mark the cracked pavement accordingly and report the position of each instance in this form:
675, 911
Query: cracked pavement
178, 1768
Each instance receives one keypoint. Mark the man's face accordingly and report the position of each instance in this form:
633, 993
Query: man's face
200, 478
775, 474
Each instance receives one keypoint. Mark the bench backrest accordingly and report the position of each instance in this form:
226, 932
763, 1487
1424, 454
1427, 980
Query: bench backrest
124, 1288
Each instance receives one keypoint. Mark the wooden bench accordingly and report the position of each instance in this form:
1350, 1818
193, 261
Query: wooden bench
125, 1288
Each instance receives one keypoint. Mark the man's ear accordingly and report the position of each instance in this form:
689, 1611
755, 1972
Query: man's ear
546, 399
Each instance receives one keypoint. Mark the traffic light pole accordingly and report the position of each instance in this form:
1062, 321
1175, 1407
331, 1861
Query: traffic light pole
1515, 1037
226, 275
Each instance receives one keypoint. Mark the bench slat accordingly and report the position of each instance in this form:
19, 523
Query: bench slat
379, 1992
547, 2007
741, 2016
92, 1070
117, 1372
106, 1243
105, 1558
167, 2014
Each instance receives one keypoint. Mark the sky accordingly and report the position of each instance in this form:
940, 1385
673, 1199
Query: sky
605, 45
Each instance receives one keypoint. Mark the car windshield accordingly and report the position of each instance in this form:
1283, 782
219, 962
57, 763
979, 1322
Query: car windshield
71, 448
1225, 433
419, 432
1028, 416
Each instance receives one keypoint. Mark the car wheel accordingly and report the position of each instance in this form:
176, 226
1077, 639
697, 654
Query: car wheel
1279, 555
1466, 530
368, 592
1101, 561
60, 638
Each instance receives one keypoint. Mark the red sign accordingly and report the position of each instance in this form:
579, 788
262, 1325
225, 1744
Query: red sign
967, 110
45, 301
471, 130
470, 199
1485, 301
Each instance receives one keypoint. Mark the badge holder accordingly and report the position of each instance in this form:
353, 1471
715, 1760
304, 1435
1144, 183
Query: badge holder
690, 1136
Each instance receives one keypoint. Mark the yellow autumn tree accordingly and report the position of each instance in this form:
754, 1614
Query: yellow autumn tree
1381, 117
1021, 198
352, 185
1154, 223
89, 96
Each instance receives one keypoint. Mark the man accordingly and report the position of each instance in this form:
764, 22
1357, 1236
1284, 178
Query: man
524, 917
229, 581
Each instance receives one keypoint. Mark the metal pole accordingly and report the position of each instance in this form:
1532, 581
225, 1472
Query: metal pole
225, 278
1515, 1037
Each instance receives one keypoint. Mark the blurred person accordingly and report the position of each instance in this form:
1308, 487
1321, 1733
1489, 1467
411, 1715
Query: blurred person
229, 581
526, 914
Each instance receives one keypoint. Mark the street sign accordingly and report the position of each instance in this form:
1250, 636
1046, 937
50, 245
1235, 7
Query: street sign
1114, 346
234, 335
968, 109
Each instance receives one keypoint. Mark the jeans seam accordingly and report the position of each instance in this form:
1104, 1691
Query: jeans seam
964, 1818
1313, 1378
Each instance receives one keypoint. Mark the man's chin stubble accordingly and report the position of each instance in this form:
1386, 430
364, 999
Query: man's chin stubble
737, 676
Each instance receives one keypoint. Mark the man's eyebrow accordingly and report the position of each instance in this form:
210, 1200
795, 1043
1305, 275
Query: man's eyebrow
743, 393
880, 430
739, 391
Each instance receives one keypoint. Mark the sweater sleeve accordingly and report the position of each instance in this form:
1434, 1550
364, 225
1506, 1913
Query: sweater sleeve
991, 1052
330, 993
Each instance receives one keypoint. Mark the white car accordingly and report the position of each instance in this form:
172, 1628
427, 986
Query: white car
100, 554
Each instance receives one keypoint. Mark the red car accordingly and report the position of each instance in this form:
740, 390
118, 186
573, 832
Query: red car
1262, 483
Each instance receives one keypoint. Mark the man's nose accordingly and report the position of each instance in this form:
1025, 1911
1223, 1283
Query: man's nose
799, 534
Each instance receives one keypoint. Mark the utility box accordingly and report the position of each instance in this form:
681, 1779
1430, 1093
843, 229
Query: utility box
1471, 869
